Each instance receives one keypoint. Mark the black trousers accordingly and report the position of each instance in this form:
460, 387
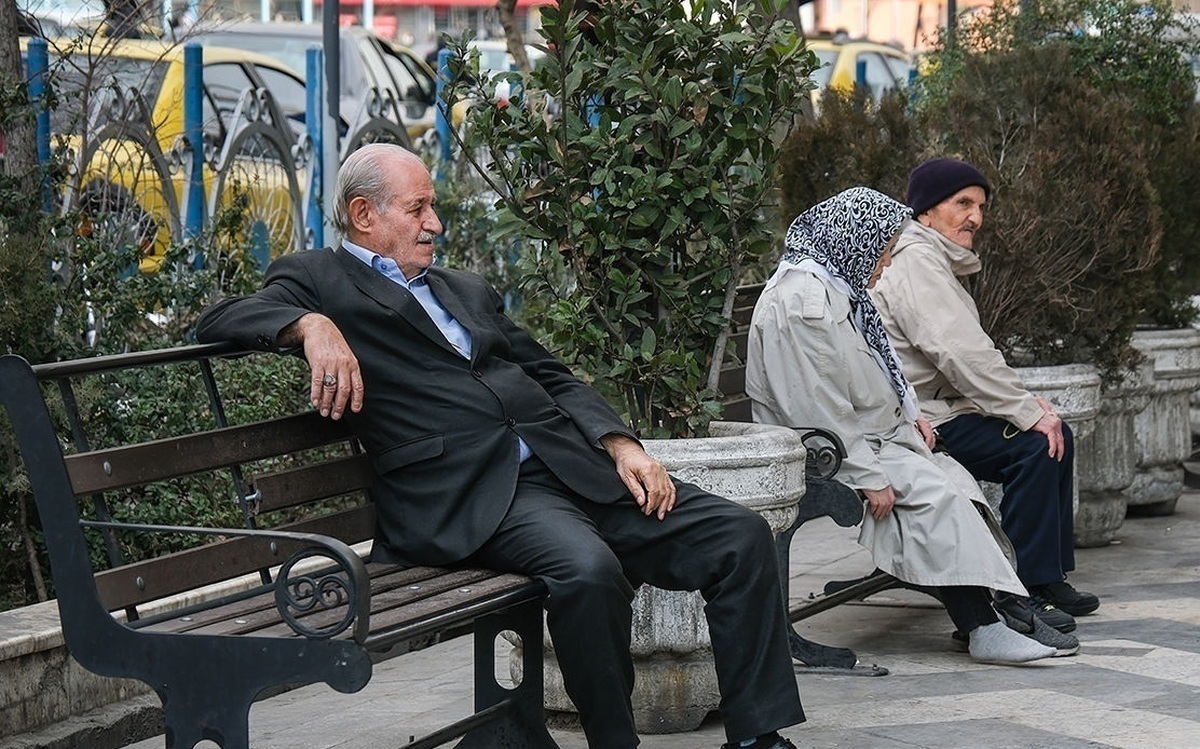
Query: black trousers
969, 606
1037, 511
592, 556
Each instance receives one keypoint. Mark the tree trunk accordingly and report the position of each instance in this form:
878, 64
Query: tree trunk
506, 9
16, 122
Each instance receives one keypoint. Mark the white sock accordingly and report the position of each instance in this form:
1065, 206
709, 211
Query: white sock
996, 643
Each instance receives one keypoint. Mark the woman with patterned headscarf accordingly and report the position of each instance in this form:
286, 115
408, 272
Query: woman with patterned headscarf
819, 357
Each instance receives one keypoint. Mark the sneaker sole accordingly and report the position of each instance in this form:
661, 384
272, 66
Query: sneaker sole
1077, 610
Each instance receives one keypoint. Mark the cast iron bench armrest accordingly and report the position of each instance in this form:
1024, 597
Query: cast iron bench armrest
345, 583
824, 452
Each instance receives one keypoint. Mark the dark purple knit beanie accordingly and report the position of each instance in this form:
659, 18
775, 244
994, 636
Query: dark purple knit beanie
933, 181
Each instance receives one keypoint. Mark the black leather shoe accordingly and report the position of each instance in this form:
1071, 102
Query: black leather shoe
1017, 607
770, 741
1064, 596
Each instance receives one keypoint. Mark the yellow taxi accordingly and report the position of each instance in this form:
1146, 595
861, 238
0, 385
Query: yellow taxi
885, 67
120, 114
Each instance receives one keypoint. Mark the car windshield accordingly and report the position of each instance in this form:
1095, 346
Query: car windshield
63, 12
826, 57
291, 51
102, 74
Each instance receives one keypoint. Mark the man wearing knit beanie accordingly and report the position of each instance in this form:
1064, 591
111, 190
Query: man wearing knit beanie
985, 417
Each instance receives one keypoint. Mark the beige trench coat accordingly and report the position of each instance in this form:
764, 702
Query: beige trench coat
807, 365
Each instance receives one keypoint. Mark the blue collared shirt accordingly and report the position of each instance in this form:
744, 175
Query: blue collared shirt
458, 336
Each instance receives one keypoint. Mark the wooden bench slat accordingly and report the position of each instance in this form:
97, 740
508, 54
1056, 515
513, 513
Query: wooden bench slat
147, 462
300, 486
382, 576
140, 582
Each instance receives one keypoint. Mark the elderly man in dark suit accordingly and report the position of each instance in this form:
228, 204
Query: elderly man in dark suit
488, 451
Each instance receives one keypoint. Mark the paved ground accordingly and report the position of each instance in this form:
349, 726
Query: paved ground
1136, 682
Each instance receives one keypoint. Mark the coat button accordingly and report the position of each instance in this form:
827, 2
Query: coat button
477, 374
510, 421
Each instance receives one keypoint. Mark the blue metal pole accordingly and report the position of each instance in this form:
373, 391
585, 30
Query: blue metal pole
441, 121
193, 104
315, 97
39, 64
860, 73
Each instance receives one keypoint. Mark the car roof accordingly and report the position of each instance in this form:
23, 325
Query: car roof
282, 28
157, 49
837, 42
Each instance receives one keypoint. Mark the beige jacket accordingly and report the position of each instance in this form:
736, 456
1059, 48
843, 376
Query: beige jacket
934, 325
807, 365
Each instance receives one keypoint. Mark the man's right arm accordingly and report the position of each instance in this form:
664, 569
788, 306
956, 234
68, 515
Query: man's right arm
257, 321
282, 317
948, 333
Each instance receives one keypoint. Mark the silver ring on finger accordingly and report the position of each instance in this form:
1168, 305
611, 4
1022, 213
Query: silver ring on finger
329, 381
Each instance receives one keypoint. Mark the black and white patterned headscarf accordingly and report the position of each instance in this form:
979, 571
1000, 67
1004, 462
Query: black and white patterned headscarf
846, 235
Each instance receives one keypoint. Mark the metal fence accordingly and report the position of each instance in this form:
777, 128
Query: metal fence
253, 184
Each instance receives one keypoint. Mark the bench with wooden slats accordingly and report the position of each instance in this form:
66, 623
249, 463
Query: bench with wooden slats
248, 611
823, 497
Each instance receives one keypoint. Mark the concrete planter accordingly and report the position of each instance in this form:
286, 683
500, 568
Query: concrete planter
1163, 428
1074, 390
761, 467
1106, 468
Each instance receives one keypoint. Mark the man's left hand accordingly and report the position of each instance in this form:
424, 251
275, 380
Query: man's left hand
646, 478
926, 430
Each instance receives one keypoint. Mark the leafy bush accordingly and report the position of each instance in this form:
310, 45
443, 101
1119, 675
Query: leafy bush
1081, 114
1134, 56
69, 296
853, 141
636, 165
1073, 225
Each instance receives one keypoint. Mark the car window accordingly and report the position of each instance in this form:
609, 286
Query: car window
413, 83
879, 76
75, 74
826, 58
224, 82
900, 67
288, 93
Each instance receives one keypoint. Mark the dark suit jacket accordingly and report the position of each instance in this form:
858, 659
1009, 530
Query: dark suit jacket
441, 431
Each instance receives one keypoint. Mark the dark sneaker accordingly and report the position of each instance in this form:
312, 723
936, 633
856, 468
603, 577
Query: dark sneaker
1064, 596
770, 741
1016, 606
1034, 628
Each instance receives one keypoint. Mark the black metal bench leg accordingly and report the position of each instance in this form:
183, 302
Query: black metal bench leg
187, 724
821, 498
523, 725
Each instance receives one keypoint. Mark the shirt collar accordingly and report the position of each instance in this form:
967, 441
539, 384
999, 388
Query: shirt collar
383, 265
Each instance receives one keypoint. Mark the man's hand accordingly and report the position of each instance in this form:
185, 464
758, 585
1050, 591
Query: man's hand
880, 501
336, 378
926, 430
646, 478
1051, 426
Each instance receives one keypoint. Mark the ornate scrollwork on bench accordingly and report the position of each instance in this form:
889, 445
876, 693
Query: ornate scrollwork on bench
824, 452
326, 589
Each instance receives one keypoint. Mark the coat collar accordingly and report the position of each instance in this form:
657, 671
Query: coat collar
963, 261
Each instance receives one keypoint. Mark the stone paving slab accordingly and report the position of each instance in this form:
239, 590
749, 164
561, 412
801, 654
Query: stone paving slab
1135, 683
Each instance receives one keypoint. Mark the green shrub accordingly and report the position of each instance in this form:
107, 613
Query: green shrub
69, 296
1134, 55
634, 169
852, 141
1073, 225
